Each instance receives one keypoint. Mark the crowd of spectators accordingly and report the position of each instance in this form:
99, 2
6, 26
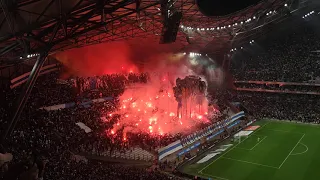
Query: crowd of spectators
44, 143
108, 83
303, 108
287, 57
280, 87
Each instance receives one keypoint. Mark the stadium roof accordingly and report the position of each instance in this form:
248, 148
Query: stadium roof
28, 27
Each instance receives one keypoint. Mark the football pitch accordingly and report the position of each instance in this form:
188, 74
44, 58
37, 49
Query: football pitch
276, 151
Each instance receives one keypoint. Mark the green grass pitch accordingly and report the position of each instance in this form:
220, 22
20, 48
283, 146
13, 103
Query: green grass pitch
285, 151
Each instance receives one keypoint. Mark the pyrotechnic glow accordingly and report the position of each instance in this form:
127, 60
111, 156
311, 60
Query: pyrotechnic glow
152, 108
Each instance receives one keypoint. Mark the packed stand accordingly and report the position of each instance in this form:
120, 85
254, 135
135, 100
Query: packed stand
44, 142
279, 87
287, 58
213, 128
303, 108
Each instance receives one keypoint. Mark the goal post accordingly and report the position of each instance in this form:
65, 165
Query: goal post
238, 138
241, 136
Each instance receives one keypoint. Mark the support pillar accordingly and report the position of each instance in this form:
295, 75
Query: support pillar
24, 95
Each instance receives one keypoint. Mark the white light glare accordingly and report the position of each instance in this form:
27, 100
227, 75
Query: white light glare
254, 17
192, 54
308, 14
286, 5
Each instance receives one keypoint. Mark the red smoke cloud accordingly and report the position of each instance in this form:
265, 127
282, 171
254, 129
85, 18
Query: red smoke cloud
118, 57
151, 107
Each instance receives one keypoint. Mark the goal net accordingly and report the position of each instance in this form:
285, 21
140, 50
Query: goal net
241, 136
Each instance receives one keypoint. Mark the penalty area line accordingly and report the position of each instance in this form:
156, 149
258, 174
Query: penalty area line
258, 143
232, 148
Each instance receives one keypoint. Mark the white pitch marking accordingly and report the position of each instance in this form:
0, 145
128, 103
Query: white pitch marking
214, 176
303, 151
282, 131
258, 143
232, 148
291, 151
250, 162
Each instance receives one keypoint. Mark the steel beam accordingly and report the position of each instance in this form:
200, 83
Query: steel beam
24, 95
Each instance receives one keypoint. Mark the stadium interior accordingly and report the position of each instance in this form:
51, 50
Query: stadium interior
159, 89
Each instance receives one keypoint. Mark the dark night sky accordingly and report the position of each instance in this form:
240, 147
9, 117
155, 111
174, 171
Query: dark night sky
223, 7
